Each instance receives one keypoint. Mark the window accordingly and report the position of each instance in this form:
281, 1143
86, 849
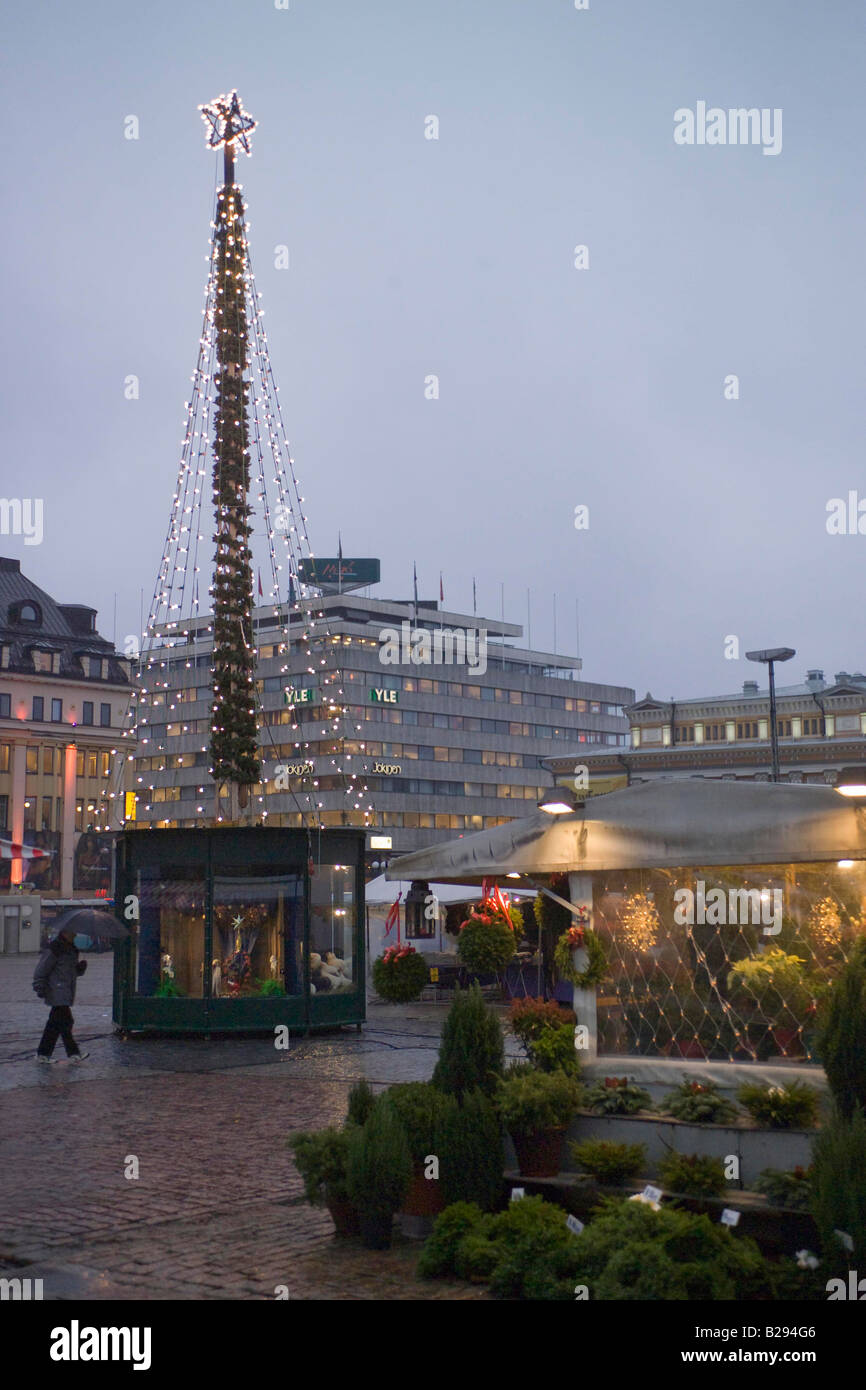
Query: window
30, 813
747, 728
105, 715
79, 763
56, 711
4, 812
812, 726
46, 812
472, 692
32, 763
5, 706
38, 708
48, 762
91, 764
24, 613
686, 734
105, 764
783, 728
87, 712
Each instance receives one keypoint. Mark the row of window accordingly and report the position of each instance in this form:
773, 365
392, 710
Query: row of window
92, 763
408, 820
746, 729
39, 705
417, 786
48, 811
424, 720
420, 685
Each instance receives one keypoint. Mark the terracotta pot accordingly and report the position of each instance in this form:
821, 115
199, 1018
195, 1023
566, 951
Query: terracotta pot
538, 1154
376, 1230
344, 1216
424, 1197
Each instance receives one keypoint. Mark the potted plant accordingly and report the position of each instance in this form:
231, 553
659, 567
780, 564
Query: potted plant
536, 1107
420, 1107
400, 974
777, 984
378, 1172
321, 1157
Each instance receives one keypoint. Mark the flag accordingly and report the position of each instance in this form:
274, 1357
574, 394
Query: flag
393, 914
415, 589
339, 562
441, 590
473, 594
261, 590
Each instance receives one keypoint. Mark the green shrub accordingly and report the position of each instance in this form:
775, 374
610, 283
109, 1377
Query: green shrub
440, 1249
528, 1018
554, 1050
839, 1188
621, 1098
841, 1034
361, 1102
607, 1161
530, 1102
777, 983
471, 1052
420, 1108
786, 1189
794, 1106
400, 974
694, 1175
486, 947
468, 1143
699, 1103
167, 989
629, 1251
321, 1156
379, 1167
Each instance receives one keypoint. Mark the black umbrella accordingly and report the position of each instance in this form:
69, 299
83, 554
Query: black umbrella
89, 921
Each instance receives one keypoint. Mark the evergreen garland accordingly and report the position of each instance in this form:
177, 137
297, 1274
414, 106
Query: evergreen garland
234, 740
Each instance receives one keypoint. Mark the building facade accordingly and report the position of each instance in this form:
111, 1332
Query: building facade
442, 719
64, 695
820, 724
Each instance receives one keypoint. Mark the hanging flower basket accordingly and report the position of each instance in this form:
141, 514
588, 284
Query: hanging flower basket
488, 937
582, 975
400, 974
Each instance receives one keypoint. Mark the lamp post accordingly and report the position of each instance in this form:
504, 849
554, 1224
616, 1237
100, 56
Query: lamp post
769, 657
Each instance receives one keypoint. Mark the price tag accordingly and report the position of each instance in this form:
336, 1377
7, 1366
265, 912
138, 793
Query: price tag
845, 1239
517, 1193
574, 1225
651, 1194
730, 1217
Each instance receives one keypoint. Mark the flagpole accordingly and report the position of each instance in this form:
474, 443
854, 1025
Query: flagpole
554, 624
502, 615
528, 622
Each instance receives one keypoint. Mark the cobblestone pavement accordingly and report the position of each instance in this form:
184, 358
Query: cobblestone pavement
217, 1208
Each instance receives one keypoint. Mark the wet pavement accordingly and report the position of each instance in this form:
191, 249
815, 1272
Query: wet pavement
158, 1168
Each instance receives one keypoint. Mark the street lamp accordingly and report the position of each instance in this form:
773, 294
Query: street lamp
769, 657
851, 781
560, 802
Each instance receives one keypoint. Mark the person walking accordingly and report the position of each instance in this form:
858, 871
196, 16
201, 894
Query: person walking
54, 981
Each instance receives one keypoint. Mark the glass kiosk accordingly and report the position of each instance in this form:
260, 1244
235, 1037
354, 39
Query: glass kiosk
239, 929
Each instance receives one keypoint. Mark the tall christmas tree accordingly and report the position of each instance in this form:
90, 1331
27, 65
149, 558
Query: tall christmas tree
233, 745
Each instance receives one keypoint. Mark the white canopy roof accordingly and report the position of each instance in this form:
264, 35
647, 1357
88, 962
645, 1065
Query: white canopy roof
656, 825
381, 891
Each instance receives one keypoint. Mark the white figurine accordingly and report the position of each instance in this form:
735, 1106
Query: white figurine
275, 967
216, 979
167, 966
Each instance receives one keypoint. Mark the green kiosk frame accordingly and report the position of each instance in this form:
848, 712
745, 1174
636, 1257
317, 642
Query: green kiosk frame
240, 930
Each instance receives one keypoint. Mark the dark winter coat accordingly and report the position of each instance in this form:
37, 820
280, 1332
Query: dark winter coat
55, 976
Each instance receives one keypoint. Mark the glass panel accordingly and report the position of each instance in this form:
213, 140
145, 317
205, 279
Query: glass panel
332, 929
258, 932
169, 950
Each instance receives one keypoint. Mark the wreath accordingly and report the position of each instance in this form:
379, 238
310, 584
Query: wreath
576, 936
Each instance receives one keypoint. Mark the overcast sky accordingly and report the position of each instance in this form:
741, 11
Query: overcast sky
410, 256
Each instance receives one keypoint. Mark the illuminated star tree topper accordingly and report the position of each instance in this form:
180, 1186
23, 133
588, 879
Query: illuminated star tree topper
228, 125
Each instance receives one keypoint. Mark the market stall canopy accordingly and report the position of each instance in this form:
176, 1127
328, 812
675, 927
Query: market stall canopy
658, 825
382, 892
